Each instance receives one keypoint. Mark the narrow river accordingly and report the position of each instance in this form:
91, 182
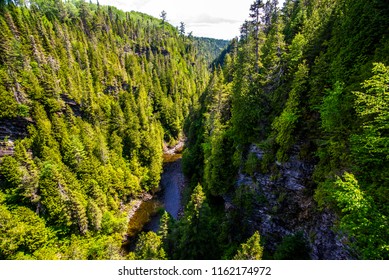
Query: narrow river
168, 198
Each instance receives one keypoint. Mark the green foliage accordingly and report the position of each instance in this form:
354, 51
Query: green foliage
252, 164
23, 110
292, 247
210, 140
331, 111
361, 219
251, 250
100, 247
248, 112
94, 215
10, 170
149, 247
166, 228
20, 175
218, 168
164, 225
371, 145
296, 50
349, 197
111, 223
7, 100
54, 193
374, 103
23, 232
195, 237
100, 90
285, 125
300, 81
210, 48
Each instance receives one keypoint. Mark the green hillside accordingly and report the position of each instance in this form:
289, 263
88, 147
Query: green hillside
286, 132
94, 92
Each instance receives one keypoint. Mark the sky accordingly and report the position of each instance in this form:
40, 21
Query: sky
220, 19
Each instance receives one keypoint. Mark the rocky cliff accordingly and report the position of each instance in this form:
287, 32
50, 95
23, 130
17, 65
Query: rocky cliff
287, 207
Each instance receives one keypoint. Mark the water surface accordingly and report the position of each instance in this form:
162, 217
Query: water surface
168, 198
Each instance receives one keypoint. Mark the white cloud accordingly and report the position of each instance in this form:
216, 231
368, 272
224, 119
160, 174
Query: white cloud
206, 18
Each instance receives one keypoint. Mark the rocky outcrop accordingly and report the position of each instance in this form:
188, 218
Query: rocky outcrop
6, 148
76, 108
176, 149
15, 128
134, 205
11, 130
287, 207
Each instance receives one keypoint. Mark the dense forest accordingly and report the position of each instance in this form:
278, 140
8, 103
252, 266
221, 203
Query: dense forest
287, 131
88, 94
293, 128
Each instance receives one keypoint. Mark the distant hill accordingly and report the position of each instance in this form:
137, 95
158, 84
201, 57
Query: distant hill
210, 48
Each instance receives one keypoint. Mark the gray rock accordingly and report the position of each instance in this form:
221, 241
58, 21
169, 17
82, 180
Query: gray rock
290, 208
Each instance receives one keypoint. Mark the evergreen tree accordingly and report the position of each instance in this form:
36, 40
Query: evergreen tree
149, 247
163, 17
89, 94
194, 236
251, 250
255, 15
182, 28
80, 81
371, 147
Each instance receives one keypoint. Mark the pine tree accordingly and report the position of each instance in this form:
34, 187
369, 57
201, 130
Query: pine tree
182, 28
83, 79
195, 238
285, 125
255, 15
149, 247
370, 146
251, 250
163, 17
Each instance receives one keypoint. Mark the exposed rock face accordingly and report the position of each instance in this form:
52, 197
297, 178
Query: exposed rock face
76, 108
15, 128
288, 207
10, 130
6, 148
176, 149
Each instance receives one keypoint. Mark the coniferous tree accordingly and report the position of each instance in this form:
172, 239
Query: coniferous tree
163, 17
93, 141
182, 28
255, 15
195, 238
149, 247
251, 250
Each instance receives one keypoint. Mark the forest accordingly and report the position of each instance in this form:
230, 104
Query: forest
286, 127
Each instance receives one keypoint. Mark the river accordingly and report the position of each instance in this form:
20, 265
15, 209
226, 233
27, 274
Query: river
168, 198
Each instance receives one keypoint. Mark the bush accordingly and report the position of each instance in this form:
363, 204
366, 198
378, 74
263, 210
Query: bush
292, 247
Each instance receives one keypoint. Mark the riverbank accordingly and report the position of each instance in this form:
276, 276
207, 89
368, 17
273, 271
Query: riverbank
176, 149
134, 205
143, 214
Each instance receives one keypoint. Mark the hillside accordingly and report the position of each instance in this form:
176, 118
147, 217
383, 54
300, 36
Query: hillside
88, 95
285, 130
210, 48
291, 132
